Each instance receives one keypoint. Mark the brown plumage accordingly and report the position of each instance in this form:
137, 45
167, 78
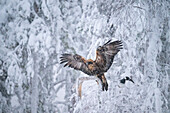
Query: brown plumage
104, 59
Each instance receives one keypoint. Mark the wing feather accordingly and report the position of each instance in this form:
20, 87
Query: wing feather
106, 54
75, 61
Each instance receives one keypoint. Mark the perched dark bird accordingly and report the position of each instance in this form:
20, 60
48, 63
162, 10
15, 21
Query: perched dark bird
104, 59
123, 81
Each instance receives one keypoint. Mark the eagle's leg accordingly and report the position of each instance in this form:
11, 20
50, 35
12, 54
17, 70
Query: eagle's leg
104, 82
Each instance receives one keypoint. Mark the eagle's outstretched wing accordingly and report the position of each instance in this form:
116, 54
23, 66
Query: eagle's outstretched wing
75, 61
106, 53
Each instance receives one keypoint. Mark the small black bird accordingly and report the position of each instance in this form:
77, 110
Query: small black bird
124, 80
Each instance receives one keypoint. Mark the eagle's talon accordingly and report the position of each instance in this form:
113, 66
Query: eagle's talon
103, 86
106, 86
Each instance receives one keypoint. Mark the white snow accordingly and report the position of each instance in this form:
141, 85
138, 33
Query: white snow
42, 84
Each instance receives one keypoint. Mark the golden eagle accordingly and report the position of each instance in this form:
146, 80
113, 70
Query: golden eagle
104, 59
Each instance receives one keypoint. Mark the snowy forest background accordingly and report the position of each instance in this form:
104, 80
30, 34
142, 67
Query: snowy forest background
34, 33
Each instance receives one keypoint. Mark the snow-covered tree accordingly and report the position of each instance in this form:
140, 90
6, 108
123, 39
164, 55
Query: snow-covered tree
33, 35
